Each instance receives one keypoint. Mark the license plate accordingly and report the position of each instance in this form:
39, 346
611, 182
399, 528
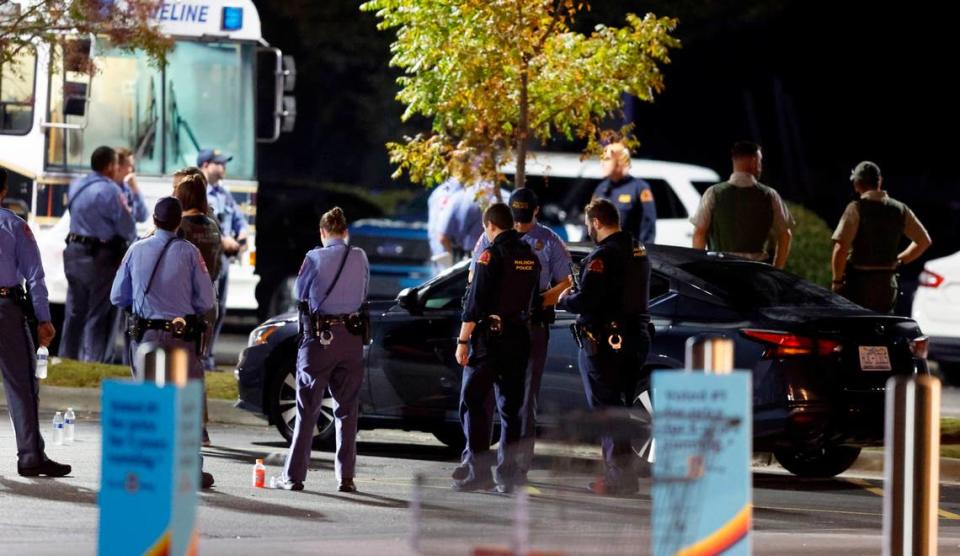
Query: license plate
875, 358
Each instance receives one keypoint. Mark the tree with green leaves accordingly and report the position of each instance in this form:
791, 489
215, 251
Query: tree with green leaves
127, 25
493, 75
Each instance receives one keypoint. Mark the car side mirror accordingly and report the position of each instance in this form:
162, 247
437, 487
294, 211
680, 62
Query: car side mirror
409, 300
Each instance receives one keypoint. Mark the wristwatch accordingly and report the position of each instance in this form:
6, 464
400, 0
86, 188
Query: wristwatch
463, 342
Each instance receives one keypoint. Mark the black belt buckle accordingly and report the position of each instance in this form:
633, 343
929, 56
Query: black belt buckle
495, 325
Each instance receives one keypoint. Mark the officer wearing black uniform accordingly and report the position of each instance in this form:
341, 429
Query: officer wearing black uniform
496, 329
611, 298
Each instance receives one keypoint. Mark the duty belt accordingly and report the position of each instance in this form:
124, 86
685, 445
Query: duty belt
84, 240
13, 292
181, 327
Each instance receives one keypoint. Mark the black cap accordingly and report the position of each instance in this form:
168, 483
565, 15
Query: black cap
523, 205
212, 155
867, 172
168, 210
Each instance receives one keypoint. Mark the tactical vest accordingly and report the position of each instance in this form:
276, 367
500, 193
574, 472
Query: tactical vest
877, 242
519, 276
741, 219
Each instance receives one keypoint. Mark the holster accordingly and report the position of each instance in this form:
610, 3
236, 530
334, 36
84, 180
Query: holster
585, 338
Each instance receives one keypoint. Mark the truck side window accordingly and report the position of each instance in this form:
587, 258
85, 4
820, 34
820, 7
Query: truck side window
668, 204
17, 80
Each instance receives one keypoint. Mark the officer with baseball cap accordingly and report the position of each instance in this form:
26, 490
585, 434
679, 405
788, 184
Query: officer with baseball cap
233, 230
866, 243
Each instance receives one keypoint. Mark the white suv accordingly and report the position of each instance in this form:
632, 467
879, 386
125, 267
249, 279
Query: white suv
567, 183
936, 308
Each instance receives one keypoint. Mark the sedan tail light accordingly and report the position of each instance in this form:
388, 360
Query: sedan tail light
929, 279
920, 347
785, 344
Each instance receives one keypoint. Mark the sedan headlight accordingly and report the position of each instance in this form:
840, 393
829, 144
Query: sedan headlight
261, 334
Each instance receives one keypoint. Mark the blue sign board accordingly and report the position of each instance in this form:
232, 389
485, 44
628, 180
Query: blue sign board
232, 19
150, 468
701, 475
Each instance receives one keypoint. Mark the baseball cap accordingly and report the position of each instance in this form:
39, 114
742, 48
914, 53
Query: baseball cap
168, 210
867, 172
212, 155
523, 204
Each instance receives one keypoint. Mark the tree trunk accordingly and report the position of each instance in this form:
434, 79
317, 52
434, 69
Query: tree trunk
523, 129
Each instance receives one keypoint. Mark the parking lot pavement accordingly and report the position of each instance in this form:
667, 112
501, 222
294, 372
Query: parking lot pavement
791, 516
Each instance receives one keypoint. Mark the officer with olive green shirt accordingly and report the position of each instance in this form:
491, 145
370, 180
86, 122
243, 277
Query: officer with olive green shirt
866, 248
740, 215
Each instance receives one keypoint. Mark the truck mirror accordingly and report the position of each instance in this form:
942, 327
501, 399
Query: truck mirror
288, 114
289, 74
74, 98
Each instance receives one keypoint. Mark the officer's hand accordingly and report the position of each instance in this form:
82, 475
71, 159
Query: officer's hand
230, 245
463, 355
562, 294
836, 286
46, 333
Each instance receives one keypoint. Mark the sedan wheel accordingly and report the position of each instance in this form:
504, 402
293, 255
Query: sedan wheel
823, 462
645, 448
284, 411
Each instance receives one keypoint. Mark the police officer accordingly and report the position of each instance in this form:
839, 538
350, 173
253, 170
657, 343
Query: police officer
233, 228
101, 227
866, 248
437, 204
19, 261
612, 331
632, 196
496, 328
738, 216
332, 286
461, 225
163, 282
126, 177
554, 279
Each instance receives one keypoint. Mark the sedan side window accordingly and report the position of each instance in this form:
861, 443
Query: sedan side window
447, 294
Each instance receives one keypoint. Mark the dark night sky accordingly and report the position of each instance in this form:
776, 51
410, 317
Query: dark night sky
820, 84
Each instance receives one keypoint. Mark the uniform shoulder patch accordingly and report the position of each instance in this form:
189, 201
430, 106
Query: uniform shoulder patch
484, 257
646, 196
538, 245
27, 231
596, 265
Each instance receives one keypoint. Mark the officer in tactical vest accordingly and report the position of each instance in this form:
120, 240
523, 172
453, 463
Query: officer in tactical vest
738, 216
163, 282
19, 311
494, 347
611, 298
866, 248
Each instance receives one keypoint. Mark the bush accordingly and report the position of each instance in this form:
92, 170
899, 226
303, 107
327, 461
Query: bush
812, 247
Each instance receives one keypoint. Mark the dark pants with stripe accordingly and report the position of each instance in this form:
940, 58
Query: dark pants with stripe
500, 364
610, 381
874, 289
89, 322
539, 339
338, 366
17, 365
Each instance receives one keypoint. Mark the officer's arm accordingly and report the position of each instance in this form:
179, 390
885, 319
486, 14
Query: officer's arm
781, 226
119, 213
919, 239
701, 220
842, 239
30, 267
479, 297
202, 284
304, 279
591, 293
239, 225
121, 294
648, 227
139, 207
559, 272
366, 274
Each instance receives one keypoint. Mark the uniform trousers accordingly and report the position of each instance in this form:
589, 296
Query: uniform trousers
17, 365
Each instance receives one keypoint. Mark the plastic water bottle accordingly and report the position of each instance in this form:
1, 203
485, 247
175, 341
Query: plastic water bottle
42, 355
58, 428
259, 474
69, 425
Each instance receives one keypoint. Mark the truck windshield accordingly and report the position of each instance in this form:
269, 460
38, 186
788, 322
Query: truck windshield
203, 98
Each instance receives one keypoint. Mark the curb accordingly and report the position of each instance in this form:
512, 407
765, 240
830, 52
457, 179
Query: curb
871, 461
87, 400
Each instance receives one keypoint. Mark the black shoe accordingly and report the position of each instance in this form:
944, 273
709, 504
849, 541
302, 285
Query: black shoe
206, 480
347, 485
461, 472
206, 439
287, 484
49, 468
470, 485
506, 488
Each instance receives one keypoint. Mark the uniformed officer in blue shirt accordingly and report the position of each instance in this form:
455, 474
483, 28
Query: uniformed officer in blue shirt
233, 230
164, 284
494, 348
101, 227
19, 261
632, 196
554, 279
461, 225
437, 204
613, 333
332, 286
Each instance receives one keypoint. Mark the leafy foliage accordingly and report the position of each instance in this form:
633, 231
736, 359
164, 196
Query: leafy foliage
491, 75
811, 248
126, 25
